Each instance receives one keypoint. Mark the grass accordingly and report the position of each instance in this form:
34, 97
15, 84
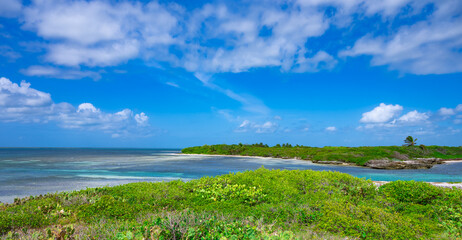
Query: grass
356, 155
260, 204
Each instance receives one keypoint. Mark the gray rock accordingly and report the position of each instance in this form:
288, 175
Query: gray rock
421, 163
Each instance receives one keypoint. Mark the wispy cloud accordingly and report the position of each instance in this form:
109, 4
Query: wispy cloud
219, 37
429, 46
249, 126
61, 73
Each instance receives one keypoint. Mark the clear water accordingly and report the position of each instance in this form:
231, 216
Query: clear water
34, 171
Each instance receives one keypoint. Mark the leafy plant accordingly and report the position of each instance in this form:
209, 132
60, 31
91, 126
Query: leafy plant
410, 141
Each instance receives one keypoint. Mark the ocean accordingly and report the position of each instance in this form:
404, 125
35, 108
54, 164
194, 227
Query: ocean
34, 171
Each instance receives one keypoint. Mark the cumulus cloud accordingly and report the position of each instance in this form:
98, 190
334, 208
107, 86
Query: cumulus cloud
331, 129
98, 33
446, 111
141, 119
14, 95
24, 104
412, 122
382, 113
388, 116
249, 126
221, 37
414, 117
261, 36
21, 103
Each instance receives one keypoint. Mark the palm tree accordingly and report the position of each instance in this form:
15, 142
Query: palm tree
410, 141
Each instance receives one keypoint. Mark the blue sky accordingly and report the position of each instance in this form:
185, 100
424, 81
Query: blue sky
176, 74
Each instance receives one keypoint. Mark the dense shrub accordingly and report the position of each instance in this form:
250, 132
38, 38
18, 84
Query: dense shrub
412, 192
357, 155
260, 204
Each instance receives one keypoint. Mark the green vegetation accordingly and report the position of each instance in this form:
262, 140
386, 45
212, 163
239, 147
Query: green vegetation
410, 141
357, 155
261, 204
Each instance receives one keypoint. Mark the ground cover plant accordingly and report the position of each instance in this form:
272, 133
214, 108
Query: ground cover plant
260, 204
357, 155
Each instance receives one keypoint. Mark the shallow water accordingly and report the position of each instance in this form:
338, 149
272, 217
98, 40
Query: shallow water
34, 171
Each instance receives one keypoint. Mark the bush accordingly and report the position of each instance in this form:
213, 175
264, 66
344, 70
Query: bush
412, 192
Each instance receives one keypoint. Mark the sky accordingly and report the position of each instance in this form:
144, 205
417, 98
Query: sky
172, 74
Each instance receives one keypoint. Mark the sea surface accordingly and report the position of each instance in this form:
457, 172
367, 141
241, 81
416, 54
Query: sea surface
34, 171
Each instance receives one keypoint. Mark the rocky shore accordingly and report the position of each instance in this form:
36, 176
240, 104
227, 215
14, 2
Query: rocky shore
419, 163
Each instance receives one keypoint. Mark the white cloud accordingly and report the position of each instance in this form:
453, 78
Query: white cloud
414, 117
266, 127
381, 114
21, 103
243, 47
106, 55
221, 37
87, 108
172, 84
98, 33
430, 46
141, 119
331, 129
446, 111
459, 108
54, 72
244, 124
10, 8
14, 95
368, 7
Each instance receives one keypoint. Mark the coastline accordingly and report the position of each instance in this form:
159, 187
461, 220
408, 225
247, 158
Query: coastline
377, 183
443, 161
437, 184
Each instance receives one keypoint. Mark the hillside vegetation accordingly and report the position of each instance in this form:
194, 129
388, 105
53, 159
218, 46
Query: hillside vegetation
260, 204
357, 155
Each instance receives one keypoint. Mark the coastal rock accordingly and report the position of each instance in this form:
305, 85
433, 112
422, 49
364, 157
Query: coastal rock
330, 162
335, 163
420, 163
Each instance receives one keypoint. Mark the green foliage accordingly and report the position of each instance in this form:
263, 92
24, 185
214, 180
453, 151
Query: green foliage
260, 204
226, 191
356, 155
412, 192
410, 141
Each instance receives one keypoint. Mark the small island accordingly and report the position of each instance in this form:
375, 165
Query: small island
408, 156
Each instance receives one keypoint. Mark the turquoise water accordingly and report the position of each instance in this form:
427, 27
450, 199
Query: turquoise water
34, 171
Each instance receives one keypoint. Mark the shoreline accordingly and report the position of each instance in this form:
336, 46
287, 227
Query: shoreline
448, 161
437, 184
377, 183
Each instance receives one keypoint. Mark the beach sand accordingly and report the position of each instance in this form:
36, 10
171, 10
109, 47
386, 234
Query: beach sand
438, 184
